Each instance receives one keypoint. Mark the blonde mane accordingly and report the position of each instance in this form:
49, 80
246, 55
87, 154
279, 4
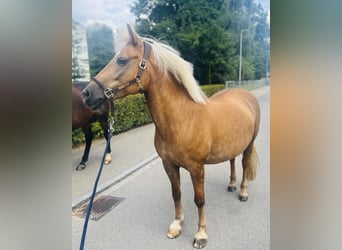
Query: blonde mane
169, 61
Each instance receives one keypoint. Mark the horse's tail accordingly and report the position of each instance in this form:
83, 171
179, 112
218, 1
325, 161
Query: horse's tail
250, 162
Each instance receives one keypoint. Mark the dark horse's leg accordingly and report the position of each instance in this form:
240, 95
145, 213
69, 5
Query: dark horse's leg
197, 177
232, 182
89, 137
172, 171
104, 124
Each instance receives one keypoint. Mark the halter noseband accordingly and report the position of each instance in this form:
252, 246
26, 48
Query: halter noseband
109, 92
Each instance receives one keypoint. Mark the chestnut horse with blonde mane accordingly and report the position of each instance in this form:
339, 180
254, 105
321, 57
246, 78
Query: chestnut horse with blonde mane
190, 129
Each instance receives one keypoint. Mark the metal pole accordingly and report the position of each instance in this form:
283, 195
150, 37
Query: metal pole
240, 56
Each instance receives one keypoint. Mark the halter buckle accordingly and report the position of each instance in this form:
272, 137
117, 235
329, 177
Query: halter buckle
108, 92
143, 64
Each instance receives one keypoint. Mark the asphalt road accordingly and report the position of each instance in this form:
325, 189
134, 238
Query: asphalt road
142, 219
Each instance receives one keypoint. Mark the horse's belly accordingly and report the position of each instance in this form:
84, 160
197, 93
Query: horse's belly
221, 155
231, 134
228, 148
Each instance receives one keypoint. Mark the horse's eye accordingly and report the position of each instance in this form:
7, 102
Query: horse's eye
122, 61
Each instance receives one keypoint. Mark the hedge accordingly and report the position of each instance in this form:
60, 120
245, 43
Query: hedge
131, 112
211, 89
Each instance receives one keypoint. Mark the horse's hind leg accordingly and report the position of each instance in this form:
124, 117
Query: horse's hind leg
172, 171
232, 182
249, 165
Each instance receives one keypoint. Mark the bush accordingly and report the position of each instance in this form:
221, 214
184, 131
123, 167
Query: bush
131, 112
211, 89
77, 136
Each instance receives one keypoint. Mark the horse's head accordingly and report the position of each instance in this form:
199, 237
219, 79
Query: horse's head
125, 74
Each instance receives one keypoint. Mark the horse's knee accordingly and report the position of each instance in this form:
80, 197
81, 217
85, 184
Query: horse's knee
199, 200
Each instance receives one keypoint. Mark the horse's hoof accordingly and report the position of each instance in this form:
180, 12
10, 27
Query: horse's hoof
243, 197
80, 166
172, 233
231, 189
200, 243
175, 228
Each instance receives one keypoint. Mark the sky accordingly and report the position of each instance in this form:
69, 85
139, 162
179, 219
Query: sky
114, 13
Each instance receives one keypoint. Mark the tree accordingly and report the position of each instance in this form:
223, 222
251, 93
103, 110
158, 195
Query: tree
100, 41
191, 26
207, 34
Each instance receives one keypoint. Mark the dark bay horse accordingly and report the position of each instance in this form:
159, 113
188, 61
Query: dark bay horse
83, 116
191, 130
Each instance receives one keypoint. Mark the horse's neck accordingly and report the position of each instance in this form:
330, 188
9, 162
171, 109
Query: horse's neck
170, 105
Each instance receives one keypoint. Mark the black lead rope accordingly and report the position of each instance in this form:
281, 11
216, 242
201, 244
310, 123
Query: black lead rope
110, 132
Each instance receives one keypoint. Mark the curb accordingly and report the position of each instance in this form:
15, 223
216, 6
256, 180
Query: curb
115, 180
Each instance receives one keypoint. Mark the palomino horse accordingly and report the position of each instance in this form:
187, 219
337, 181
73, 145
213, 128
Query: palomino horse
83, 116
191, 130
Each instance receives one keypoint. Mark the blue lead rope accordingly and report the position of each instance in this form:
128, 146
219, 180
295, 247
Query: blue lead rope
93, 194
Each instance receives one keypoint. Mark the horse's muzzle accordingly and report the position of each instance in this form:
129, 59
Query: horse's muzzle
91, 100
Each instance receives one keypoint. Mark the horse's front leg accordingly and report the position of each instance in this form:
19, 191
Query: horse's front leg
89, 137
104, 125
172, 171
197, 177
108, 158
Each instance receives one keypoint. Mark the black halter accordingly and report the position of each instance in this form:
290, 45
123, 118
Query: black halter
109, 92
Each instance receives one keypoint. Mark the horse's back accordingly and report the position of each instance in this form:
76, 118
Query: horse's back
237, 98
233, 93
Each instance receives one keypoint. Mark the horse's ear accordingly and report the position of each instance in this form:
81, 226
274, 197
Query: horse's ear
134, 38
